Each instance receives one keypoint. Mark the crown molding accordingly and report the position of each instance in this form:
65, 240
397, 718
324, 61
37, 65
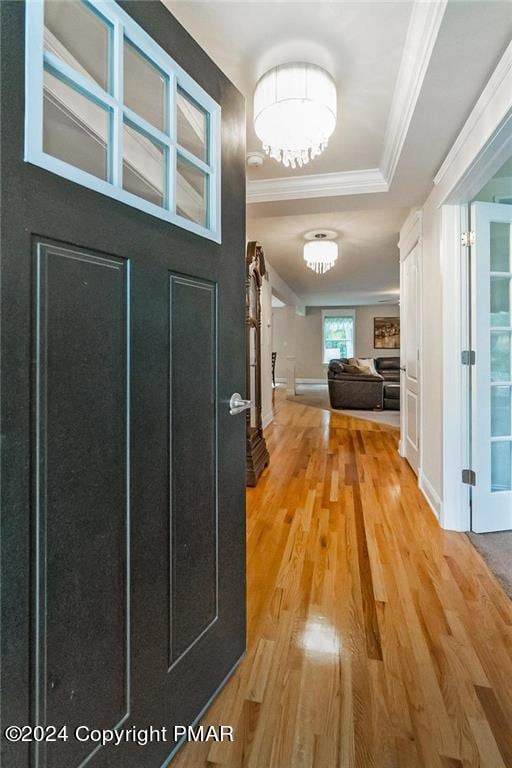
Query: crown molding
422, 32
316, 185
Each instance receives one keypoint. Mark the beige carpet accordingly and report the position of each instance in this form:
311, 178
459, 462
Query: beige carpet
317, 396
496, 550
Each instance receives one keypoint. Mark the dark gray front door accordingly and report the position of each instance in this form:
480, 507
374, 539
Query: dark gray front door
123, 538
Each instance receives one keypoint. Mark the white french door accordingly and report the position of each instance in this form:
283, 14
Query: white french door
492, 372
410, 406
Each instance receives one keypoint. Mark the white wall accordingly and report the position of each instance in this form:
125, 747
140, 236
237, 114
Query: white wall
307, 330
432, 347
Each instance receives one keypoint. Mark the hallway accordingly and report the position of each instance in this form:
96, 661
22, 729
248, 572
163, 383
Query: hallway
375, 638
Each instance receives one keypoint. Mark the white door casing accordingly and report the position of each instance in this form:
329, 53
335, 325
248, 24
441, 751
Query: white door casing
491, 410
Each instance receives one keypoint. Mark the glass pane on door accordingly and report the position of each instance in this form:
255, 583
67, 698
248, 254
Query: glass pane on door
191, 192
501, 466
500, 301
501, 411
192, 126
144, 87
143, 166
501, 356
75, 128
500, 247
78, 36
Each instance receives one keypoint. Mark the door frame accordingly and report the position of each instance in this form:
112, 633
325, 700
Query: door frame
481, 148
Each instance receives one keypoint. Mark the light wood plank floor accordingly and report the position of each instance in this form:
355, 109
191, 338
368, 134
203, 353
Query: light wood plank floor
375, 639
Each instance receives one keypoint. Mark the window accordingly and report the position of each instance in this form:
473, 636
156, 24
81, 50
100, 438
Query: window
338, 334
107, 108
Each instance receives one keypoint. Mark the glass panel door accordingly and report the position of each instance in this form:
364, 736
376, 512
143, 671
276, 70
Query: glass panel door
492, 377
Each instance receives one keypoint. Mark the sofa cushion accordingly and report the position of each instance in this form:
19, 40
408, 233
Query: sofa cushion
388, 367
392, 390
391, 396
387, 363
353, 392
390, 375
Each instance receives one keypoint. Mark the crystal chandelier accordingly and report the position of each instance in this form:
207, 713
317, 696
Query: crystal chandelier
295, 112
320, 254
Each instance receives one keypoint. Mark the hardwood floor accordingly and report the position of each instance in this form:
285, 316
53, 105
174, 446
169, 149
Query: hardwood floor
375, 639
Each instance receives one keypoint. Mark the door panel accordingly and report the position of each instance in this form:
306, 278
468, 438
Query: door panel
122, 342
81, 508
409, 290
492, 372
412, 419
193, 317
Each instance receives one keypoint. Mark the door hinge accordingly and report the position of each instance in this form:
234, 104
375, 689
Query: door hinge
468, 239
468, 357
469, 477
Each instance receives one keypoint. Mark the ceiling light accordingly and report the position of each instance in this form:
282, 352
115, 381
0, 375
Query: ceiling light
295, 112
320, 254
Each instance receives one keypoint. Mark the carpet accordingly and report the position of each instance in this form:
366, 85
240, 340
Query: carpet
317, 396
496, 550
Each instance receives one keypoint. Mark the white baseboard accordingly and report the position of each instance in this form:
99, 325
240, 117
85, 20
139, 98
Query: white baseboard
267, 419
280, 380
430, 494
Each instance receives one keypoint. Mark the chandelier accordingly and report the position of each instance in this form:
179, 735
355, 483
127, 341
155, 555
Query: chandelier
295, 112
320, 254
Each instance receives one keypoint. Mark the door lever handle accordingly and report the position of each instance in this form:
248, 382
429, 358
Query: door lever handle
237, 404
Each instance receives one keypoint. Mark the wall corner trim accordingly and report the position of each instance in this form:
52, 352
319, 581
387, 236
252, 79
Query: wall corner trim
429, 492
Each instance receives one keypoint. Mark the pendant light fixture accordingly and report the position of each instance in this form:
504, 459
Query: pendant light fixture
320, 251
295, 112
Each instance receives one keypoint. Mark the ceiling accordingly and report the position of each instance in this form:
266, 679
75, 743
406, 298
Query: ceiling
407, 79
362, 52
367, 265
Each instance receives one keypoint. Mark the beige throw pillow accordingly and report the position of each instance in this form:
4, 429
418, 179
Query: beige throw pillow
368, 362
348, 368
360, 365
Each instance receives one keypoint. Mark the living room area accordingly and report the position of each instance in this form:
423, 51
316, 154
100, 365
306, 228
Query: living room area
344, 358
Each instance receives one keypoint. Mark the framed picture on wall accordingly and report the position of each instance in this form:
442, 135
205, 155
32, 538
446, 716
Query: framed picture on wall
386, 333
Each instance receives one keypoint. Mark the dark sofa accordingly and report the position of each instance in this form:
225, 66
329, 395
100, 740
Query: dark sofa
388, 368
364, 391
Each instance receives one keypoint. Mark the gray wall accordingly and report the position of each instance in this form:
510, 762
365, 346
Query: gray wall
307, 331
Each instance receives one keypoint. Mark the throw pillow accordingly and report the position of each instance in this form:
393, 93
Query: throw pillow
368, 362
347, 368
